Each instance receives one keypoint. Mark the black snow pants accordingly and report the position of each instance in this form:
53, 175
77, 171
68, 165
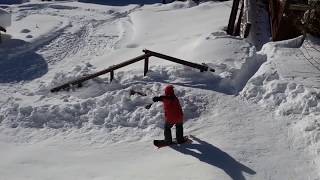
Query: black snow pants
179, 132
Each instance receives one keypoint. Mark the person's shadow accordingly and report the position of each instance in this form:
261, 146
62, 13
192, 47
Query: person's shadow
215, 157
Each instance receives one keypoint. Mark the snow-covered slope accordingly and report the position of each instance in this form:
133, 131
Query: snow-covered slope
100, 131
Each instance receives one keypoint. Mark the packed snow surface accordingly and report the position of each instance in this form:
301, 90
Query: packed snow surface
255, 117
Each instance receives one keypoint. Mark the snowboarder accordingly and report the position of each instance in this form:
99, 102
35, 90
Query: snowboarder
173, 115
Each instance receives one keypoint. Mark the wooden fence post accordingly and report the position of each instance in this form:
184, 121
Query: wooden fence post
233, 16
146, 66
111, 75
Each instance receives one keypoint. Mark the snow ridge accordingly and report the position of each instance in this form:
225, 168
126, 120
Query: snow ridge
272, 88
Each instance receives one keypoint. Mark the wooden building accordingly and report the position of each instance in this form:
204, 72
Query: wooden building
284, 16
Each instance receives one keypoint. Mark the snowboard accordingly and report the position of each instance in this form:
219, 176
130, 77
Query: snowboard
163, 143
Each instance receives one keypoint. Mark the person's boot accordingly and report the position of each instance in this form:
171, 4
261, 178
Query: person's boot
179, 134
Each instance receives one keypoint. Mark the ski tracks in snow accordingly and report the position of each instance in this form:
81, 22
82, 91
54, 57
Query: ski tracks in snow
90, 33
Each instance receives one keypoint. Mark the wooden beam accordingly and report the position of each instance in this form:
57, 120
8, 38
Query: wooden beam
179, 61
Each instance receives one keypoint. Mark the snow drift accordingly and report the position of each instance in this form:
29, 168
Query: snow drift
285, 83
276, 84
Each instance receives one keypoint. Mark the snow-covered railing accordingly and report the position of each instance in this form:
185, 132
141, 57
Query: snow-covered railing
111, 69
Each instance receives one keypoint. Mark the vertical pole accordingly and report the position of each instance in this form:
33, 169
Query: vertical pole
236, 31
233, 15
111, 75
146, 66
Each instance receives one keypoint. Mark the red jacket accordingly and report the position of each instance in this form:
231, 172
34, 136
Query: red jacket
171, 105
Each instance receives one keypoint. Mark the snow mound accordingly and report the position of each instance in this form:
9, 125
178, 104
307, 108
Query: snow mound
285, 83
274, 88
102, 105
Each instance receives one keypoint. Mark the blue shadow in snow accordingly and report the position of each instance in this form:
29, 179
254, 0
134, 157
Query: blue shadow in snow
121, 2
18, 63
215, 157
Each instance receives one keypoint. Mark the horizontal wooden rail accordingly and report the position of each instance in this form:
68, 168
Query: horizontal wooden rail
110, 69
179, 61
145, 56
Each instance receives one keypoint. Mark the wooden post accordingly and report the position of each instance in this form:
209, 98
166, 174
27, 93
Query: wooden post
247, 30
233, 16
236, 31
146, 66
111, 75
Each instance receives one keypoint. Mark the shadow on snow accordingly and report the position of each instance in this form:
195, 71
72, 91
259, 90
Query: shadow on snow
215, 157
18, 62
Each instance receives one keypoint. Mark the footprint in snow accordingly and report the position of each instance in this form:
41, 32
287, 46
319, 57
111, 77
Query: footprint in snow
25, 31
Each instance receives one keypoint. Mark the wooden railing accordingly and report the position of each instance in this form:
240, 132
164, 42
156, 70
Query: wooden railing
145, 57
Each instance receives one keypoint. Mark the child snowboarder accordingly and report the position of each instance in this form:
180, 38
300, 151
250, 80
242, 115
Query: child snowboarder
173, 115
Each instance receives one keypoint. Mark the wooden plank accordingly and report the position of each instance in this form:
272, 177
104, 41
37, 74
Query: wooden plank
179, 61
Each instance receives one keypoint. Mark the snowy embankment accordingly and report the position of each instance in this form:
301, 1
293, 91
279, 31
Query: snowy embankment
71, 39
287, 83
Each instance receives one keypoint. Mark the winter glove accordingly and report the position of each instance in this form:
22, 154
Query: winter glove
148, 106
156, 99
